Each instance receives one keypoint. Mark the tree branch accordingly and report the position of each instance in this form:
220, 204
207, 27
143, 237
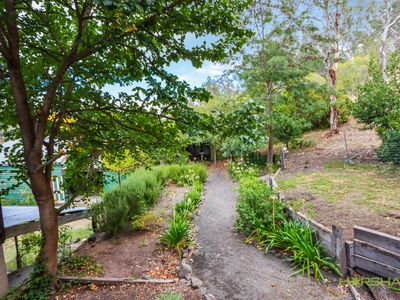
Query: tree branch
49, 162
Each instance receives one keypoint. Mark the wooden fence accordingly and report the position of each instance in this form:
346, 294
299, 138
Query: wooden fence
374, 252
370, 252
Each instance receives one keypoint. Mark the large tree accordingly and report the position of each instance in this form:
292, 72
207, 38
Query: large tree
56, 58
277, 55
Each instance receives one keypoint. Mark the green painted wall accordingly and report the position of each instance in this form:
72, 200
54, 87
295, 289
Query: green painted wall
19, 192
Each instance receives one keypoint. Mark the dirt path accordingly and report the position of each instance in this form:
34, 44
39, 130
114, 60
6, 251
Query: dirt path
231, 269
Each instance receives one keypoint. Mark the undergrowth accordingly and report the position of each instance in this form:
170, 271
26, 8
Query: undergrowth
178, 234
139, 192
306, 253
262, 218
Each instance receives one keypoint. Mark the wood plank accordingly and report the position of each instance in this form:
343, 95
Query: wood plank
3, 274
341, 258
350, 254
383, 240
377, 253
2, 230
383, 293
35, 226
354, 292
324, 235
20, 276
376, 267
112, 280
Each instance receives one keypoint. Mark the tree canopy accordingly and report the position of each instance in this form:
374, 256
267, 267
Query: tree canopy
57, 57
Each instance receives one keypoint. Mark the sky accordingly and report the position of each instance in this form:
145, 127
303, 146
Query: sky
184, 69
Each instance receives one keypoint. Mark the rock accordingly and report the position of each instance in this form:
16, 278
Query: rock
196, 282
145, 276
209, 297
185, 253
188, 277
203, 291
184, 269
265, 178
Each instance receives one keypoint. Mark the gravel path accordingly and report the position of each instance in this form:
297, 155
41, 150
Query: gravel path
231, 269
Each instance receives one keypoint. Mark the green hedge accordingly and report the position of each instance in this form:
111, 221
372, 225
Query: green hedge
139, 192
389, 151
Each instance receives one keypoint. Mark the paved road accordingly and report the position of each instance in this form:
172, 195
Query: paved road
231, 269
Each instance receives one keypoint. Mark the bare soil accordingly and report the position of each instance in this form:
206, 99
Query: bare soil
361, 145
347, 214
134, 255
350, 208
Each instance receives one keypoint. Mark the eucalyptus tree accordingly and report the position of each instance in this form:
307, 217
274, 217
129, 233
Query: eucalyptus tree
390, 18
57, 57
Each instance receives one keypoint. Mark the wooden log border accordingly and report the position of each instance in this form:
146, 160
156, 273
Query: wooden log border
112, 280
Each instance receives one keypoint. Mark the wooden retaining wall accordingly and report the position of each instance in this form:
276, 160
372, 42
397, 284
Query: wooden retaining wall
371, 252
375, 252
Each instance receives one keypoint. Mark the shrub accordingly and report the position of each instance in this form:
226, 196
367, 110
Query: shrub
146, 221
183, 174
297, 240
32, 242
139, 192
239, 169
389, 151
122, 202
301, 144
177, 235
113, 213
258, 208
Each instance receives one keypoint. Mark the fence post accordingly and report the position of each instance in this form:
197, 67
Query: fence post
347, 150
341, 256
3, 273
350, 256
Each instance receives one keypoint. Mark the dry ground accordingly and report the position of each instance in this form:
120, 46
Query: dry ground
363, 193
361, 145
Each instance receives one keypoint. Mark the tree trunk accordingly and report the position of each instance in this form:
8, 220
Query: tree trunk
333, 111
270, 157
382, 51
41, 189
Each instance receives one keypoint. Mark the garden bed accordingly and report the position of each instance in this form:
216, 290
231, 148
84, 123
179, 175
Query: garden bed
364, 194
137, 255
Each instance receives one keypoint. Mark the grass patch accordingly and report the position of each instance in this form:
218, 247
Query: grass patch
79, 230
170, 296
371, 185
